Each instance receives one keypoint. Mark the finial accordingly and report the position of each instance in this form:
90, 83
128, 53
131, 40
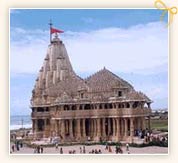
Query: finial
50, 22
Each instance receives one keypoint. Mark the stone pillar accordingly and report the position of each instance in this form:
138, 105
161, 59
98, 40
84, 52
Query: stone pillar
63, 129
95, 128
143, 123
125, 127
139, 126
52, 127
122, 127
33, 125
98, 128
131, 127
56, 127
109, 126
83, 129
103, 128
78, 129
114, 127
149, 123
91, 128
45, 132
118, 129
71, 128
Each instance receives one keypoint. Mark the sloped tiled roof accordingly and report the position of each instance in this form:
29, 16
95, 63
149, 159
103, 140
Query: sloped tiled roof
137, 96
104, 80
70, 86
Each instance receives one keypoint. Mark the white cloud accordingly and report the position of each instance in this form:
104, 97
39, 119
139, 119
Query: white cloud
140, 47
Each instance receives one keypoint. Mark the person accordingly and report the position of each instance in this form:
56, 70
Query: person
110, 150
13, 148
88, 138
117, 149
80, 150
41, 149
21, 144
127, 147
120, 150
17, 146
96, 152
38, 149
106, 146
57, 145
35, 150
61, 150
84, 151
99, 151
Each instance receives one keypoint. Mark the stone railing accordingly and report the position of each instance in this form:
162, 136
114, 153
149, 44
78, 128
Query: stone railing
99, 113
40, 114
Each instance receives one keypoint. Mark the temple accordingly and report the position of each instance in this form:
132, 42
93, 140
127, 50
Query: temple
102, 107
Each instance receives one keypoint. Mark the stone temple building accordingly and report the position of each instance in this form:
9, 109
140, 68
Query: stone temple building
100, 107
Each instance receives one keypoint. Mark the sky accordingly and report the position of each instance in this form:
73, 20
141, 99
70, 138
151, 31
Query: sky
132, 43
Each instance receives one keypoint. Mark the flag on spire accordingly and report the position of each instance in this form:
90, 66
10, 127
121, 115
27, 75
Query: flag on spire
54, 30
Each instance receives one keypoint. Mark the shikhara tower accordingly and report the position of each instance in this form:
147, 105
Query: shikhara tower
102, 107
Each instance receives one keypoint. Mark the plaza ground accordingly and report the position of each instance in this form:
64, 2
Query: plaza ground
66, 149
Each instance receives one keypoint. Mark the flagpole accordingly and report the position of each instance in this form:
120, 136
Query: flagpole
50, 26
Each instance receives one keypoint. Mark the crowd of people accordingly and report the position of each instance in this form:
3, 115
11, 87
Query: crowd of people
38, 149
148, 136
16, 146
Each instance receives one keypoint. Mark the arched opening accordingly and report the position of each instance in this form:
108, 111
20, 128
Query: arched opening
119, 93
66, 107
135, 105
127, 105
87, 107
105, 106
119, 105
40, 109
110, 106
80, 108
74, 107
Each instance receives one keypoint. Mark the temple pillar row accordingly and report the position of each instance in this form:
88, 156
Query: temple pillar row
113, 128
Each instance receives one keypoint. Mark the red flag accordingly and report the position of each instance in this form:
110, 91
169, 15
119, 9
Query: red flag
53, 30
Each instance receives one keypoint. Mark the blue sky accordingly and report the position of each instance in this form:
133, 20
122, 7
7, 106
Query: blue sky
83, 20
131, 43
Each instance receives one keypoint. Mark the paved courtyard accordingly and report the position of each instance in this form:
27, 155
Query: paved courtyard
79, 148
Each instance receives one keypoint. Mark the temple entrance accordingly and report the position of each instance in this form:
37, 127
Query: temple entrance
40, 124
